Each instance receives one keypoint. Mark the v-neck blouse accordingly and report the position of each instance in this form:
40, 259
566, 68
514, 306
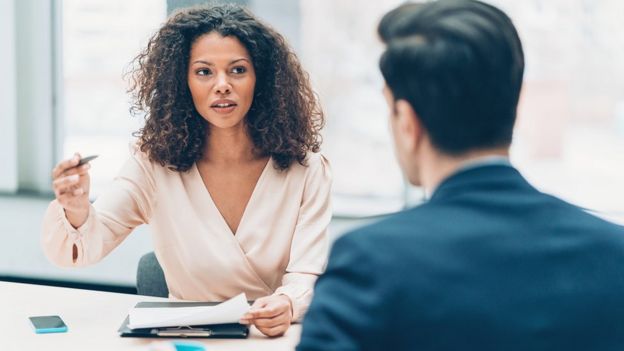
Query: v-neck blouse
213, 206
280, 246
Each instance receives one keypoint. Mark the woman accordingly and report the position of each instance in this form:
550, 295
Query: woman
225, 171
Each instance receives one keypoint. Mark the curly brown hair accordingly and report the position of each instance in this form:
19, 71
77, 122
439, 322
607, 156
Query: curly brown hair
284, 120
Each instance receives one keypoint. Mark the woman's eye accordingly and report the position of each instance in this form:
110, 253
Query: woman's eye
203, 72
239, 70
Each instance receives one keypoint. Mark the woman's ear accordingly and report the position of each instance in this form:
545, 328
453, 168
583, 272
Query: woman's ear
409, 129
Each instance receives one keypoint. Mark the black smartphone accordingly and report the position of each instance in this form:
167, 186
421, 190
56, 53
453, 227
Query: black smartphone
48, 324
86, 159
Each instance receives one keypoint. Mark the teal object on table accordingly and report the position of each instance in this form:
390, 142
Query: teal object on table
188, 346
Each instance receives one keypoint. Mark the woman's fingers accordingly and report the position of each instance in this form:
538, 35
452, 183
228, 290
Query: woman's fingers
65, 184
73, 200
261, 302
281, 319
72, 195
272, 315
65, 165
267, 312
72, 176
71, 188
274, 331
268, 307
82, 170
256, 306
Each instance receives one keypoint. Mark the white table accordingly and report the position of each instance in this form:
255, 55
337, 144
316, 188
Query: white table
93, 318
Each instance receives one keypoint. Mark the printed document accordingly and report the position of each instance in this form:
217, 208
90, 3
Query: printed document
229, 311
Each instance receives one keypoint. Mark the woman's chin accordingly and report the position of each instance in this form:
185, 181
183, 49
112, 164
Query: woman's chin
225, 122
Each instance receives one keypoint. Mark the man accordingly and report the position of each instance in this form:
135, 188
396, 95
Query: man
489, 262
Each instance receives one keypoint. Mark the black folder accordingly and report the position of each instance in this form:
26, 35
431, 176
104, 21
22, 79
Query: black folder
228, 331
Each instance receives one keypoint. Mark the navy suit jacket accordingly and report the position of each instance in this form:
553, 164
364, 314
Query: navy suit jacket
489, 263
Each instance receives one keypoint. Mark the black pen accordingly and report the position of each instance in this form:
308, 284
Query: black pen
85, 160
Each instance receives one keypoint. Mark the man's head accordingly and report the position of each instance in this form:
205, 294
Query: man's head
453, 72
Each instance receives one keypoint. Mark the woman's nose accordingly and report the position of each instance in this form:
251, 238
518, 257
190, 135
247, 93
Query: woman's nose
222, 85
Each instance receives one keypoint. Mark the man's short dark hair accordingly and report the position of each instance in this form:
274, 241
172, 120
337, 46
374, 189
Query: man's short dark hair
459, 63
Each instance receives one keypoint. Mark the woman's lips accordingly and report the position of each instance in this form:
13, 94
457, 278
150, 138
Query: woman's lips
223, 107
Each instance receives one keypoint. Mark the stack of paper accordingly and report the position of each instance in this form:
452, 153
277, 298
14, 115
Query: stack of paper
229, 311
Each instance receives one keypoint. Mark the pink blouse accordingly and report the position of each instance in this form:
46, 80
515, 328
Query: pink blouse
280, 246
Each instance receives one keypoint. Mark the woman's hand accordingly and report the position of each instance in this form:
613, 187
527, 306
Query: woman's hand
272, 315
71, 188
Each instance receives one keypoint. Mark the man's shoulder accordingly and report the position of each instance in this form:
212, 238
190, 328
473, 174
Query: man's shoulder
396, 229
442, 225
405, 220
554, 214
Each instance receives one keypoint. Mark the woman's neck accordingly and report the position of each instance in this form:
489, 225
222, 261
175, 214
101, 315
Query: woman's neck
228, 146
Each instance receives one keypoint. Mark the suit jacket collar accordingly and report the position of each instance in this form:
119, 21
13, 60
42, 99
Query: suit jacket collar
476, 163
486, 177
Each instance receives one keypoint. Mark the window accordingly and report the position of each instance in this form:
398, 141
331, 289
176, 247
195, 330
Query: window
340, 49
8, 99
570, 129
100, 38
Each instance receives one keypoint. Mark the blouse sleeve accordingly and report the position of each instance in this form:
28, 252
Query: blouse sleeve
125, 205
310, 245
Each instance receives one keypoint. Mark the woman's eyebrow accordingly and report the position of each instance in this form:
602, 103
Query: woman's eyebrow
212, 64
237, 60
203, 62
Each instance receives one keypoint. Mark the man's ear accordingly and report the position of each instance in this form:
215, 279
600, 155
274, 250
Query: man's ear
409, 127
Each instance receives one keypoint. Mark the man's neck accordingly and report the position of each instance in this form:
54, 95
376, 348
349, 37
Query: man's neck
437, 167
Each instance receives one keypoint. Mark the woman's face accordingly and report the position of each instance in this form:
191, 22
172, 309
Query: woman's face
221, 78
